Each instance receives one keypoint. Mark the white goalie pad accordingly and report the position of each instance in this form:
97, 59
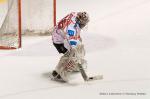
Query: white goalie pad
69, 62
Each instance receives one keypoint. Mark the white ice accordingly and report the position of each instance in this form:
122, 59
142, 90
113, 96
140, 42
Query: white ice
117, 45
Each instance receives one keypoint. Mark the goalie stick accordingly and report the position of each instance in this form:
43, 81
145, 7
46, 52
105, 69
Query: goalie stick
86, 78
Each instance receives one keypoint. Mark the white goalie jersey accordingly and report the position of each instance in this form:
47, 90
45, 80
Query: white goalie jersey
67, 31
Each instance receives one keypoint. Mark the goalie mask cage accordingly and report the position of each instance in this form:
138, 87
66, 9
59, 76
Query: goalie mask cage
26, 17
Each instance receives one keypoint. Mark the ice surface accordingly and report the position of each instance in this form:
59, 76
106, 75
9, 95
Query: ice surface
117, 44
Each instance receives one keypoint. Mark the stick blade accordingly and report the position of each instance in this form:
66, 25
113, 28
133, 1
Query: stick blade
98, 77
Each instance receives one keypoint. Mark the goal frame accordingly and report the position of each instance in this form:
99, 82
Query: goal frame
20, 25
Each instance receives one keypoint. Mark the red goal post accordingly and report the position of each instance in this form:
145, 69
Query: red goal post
33, 17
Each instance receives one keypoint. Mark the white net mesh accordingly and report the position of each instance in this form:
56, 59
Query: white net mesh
36, 17
9, 28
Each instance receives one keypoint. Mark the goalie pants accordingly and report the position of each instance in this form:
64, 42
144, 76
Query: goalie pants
60, 48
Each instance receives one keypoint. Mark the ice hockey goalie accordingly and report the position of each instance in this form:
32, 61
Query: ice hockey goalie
67, 40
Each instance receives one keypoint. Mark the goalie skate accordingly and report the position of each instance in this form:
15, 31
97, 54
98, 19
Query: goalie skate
56, 78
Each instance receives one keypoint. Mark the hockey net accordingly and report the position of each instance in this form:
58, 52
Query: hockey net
26, 17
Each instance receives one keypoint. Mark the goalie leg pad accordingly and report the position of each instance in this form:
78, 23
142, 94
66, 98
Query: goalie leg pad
69, 62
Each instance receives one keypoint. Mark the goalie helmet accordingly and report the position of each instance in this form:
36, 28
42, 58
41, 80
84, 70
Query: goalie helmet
82, 19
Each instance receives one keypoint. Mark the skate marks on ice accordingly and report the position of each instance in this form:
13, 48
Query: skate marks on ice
52, 85
57, 85
45, 47
73, 78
